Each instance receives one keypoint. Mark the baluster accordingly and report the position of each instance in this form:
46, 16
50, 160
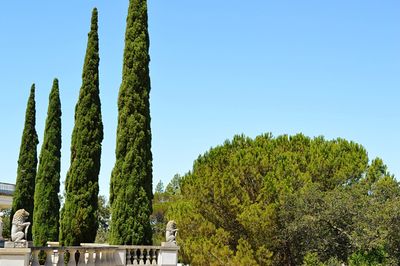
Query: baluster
77, 258
128, 257
49, 257
84, 256
96, 258
71, 252
154, 253
89, 254
54, 257
35, 257
148, 257
60, 257
135, 258
141, 262
103, 257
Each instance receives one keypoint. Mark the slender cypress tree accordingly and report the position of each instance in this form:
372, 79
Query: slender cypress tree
27, 162
46, 205
131, 181
78, 217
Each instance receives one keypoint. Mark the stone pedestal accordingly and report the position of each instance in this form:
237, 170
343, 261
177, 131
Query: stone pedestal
168, 255
17, 244
14, 256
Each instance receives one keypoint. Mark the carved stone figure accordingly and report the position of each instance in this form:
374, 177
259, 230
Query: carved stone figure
19, 227
170, 233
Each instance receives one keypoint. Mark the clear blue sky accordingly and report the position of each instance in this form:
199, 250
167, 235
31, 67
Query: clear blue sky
218, 68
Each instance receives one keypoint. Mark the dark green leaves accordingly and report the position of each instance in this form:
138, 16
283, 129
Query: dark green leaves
47, 204
78, 220
131, 180
27, 161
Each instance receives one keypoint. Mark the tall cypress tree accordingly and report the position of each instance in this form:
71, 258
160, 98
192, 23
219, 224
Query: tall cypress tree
46, 205
27, 162
131, 181
78, 221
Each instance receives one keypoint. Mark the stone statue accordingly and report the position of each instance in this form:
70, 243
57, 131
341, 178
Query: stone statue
170, 233
1, 225
19, 228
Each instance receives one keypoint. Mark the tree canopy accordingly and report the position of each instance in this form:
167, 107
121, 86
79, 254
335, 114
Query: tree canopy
278, 201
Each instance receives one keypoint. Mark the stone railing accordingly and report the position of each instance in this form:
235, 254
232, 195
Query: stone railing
73, 256
105, 255
140, 255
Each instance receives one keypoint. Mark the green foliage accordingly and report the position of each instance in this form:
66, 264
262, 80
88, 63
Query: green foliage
375, 257
47, 205
333, 262
103, 216
131, 180
79, 222
161, 203
6, 223
27, 161
174, 187
244, 254
290, 198
159, 187
158, 218
311, 259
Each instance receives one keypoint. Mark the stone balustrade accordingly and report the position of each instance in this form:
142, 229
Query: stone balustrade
73, 256
105, 255
141, 255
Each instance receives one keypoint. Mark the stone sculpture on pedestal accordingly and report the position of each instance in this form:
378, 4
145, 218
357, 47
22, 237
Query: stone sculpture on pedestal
19, 229
170, 233
168, 254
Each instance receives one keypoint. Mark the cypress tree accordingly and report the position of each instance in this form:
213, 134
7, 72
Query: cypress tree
27, 162
131, 180
46, 205
78, 217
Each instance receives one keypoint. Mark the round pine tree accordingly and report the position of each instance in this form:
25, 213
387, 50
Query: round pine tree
131, 180
78, 216
27, 162
46, 211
